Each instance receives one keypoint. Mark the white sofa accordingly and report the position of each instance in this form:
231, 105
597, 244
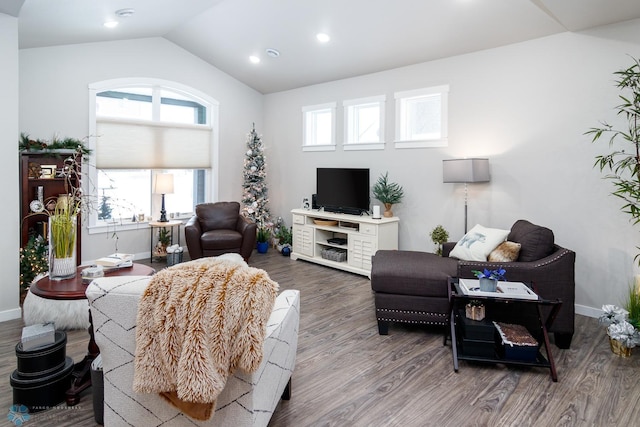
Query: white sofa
247, 400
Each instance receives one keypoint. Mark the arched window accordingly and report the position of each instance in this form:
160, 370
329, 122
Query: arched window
141, 128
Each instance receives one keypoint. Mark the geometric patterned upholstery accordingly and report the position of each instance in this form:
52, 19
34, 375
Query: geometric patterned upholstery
248, 399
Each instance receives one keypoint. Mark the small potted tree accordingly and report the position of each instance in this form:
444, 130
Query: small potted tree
164, 240
439, 236
389, 193
284, 236
262, 238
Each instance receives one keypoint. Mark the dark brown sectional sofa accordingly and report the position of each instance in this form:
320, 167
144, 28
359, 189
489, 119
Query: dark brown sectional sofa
411, 286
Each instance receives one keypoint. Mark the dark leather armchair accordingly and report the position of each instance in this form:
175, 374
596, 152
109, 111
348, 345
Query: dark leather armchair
218, 228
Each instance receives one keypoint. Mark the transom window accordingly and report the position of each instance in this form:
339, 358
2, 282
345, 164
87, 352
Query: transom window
421, 117
364, 123
319, 127
143, 130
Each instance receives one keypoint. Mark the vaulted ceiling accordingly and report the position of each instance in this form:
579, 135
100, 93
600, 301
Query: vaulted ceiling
366, 35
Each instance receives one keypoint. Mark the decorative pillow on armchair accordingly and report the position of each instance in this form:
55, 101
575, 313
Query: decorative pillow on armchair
537, 241
478, 243
505, 252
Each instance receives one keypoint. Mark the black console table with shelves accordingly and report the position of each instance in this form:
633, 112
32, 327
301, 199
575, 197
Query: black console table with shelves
478, 341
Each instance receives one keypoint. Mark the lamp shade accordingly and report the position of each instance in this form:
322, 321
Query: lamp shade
465, 170
163, 183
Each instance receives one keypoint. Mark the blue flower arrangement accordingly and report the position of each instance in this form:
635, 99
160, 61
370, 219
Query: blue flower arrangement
497, 274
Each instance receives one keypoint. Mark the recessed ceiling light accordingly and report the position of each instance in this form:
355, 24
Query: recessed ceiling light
323, 38
125, 13
254, 59
111, 24
272, 52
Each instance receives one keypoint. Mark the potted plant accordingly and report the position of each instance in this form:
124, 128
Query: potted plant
632, 305
623, 336
262, 238
489, 278
62, 237
389, 193
284, 236
164, 240
622, 164
439, 236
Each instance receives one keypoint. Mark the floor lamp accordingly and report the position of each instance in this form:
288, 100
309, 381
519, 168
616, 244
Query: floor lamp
465, 171
163, 184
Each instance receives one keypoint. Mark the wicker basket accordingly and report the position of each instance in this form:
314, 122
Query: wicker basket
618, 348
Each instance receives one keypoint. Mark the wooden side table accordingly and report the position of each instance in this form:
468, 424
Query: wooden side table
74, 289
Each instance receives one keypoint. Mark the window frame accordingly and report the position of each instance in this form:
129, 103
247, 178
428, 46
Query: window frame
402, 117
96, 226
351, 125
307, 111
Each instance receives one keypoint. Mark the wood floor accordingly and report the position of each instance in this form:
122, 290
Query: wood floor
348, 375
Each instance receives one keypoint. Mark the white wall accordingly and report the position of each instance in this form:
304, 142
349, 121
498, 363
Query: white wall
526, 107
10, 212
54, 100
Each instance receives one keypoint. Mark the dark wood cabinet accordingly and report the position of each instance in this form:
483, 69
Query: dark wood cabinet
41, 181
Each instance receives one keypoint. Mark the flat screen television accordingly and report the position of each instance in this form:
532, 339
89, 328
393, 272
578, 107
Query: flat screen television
343, 190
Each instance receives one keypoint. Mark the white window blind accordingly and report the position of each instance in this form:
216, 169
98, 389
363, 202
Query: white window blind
145, 145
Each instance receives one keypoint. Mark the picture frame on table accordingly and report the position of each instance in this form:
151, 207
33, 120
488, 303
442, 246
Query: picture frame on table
305, 203
47, 171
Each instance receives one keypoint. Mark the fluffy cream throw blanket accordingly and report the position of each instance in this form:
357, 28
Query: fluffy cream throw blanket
197, 323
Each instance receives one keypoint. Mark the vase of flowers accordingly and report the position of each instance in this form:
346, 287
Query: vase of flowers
623, 336
489, 278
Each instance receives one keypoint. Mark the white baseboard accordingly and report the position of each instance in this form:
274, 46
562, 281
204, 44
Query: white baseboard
14, 313
588, 311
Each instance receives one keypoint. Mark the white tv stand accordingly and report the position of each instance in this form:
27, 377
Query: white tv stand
361, 236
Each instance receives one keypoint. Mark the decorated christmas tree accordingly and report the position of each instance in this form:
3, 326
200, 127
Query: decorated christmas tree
255, 197
33, 260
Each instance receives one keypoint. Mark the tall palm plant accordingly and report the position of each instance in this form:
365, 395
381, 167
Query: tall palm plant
622, 164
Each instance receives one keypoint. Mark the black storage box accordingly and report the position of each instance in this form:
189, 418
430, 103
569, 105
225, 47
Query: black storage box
42, 361
478, 348
523, 353
43, 392
97, 389
482, 330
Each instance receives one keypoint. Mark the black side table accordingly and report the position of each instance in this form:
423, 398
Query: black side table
501, 309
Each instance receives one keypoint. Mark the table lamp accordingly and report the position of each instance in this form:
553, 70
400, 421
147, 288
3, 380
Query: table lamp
465, 171
163, 184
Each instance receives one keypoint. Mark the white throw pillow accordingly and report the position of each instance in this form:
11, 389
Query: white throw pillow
478, 243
